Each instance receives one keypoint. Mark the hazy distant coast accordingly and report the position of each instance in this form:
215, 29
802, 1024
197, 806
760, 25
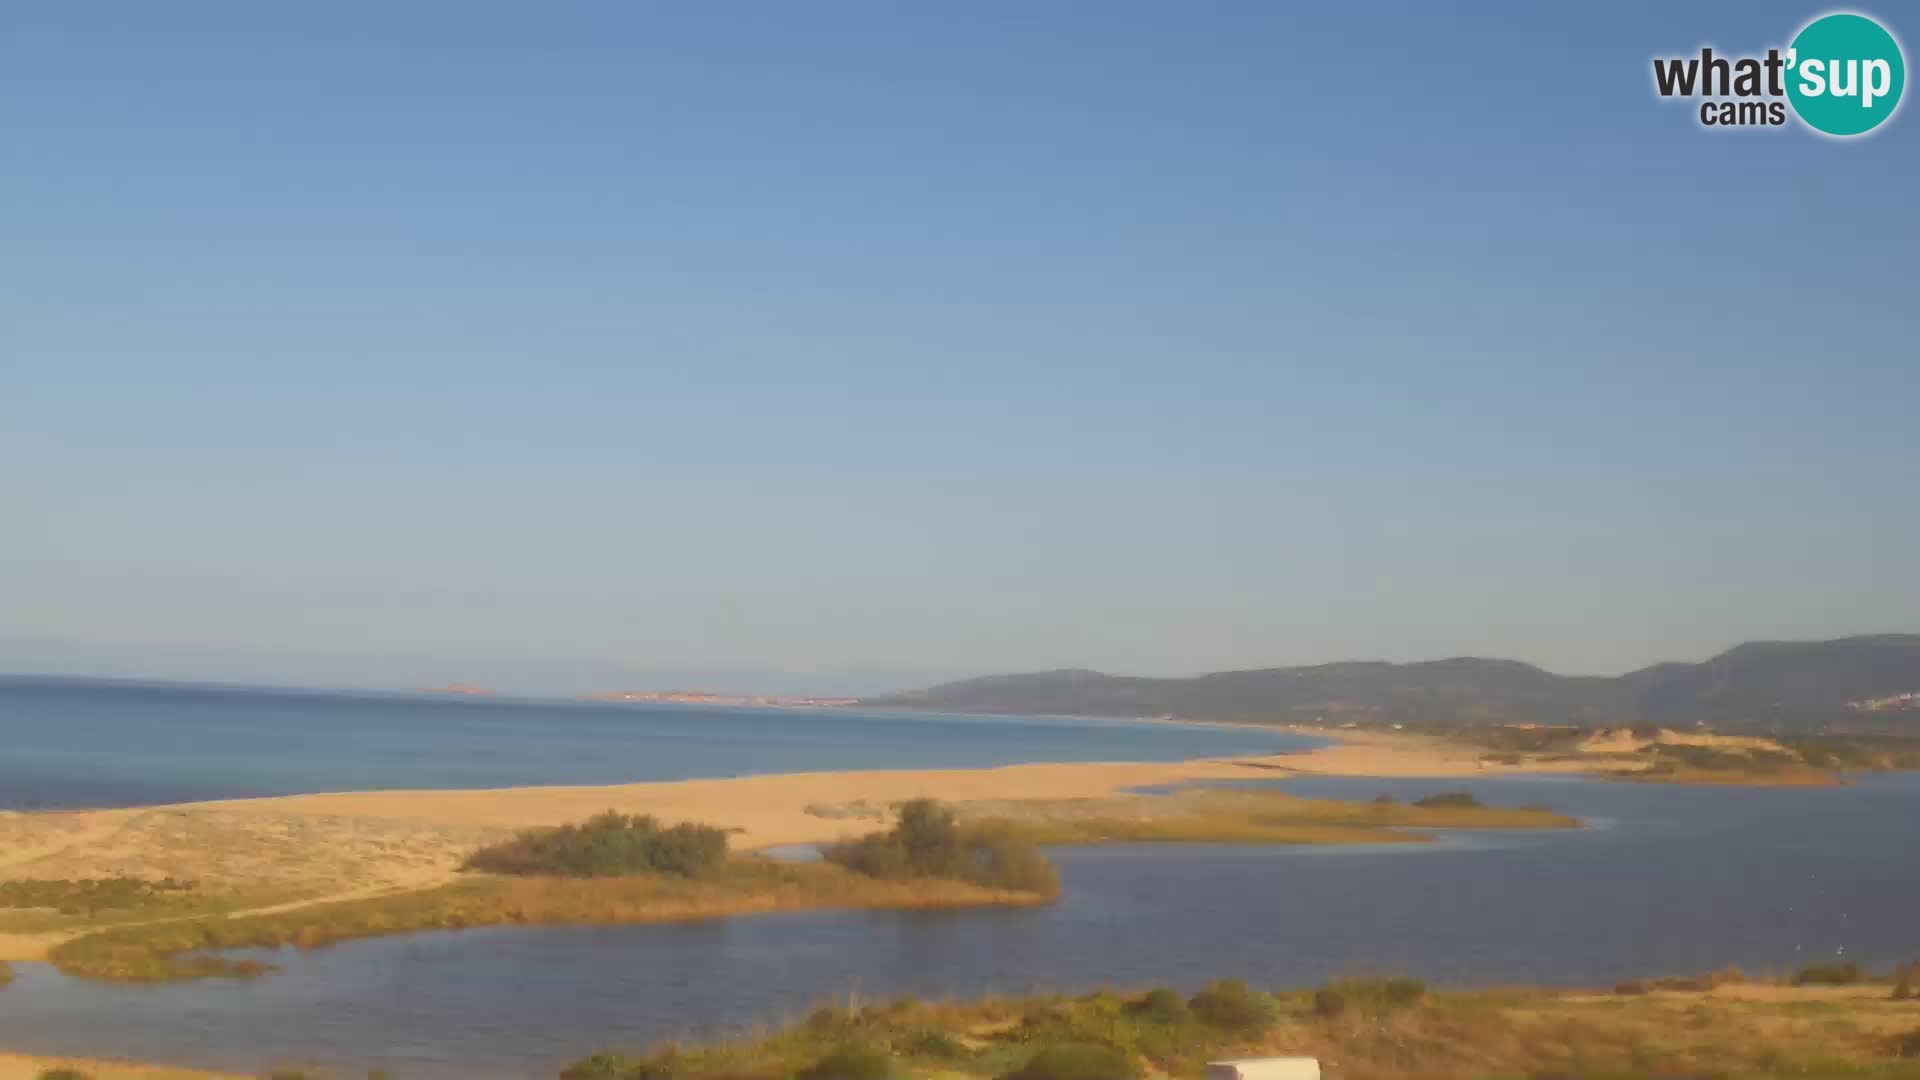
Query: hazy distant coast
1868, 683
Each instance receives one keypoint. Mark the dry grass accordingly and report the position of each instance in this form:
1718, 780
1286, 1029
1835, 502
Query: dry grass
1241, 816
1788, 1032
236, 858
225, 847
31, 1067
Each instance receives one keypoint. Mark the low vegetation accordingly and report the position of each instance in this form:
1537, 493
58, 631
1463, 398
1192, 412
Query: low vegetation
1075, 1061
607, 845
854, 1061
1387, 1028
1846, 973
1231, 1005
55, 905
88, 896
928, 841
1368, 997
1696, 984
1450, 800
925, 862
1245, 816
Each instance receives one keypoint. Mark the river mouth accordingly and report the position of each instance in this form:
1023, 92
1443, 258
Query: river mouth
1674, 879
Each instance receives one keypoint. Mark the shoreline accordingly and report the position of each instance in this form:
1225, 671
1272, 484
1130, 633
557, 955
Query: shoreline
274, 854
283, 853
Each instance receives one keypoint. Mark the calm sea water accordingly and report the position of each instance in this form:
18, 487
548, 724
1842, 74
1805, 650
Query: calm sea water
66, 744
1667, 879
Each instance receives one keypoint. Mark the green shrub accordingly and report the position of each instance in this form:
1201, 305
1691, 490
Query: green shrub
928, 842
1903, 980
85, 896
1229, 1004
853, 1061
830, 1020
1841, 974
1908, 1045
602, 1066
666, 1065
1075, 1061
1164, 1005
1450, 800
6, 973
64, 1074
1401, 991
607, 845
932, 1043
1631, 986
1371, 996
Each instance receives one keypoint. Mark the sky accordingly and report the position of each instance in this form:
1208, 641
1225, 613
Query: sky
851, 346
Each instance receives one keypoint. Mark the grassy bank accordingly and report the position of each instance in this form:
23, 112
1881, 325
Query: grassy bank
1241, 816
57, 905
743, 886
617, 869
613, 868
1383, 1028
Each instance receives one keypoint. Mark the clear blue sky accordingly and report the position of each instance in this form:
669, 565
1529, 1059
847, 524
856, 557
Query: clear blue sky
815, 345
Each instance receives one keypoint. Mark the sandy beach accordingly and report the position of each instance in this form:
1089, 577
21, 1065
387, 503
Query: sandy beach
786, 809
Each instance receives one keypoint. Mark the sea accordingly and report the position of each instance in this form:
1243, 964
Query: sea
71, 744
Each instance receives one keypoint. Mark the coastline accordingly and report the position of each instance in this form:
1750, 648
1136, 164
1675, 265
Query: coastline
431, 829
280, 854
284, 853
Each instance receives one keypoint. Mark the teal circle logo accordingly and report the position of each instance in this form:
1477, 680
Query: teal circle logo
1845, 74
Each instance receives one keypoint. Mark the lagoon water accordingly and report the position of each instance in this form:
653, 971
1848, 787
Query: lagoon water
1666, 879
67, 744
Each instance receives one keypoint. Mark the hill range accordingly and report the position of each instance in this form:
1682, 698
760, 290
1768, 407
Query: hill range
1866, 684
